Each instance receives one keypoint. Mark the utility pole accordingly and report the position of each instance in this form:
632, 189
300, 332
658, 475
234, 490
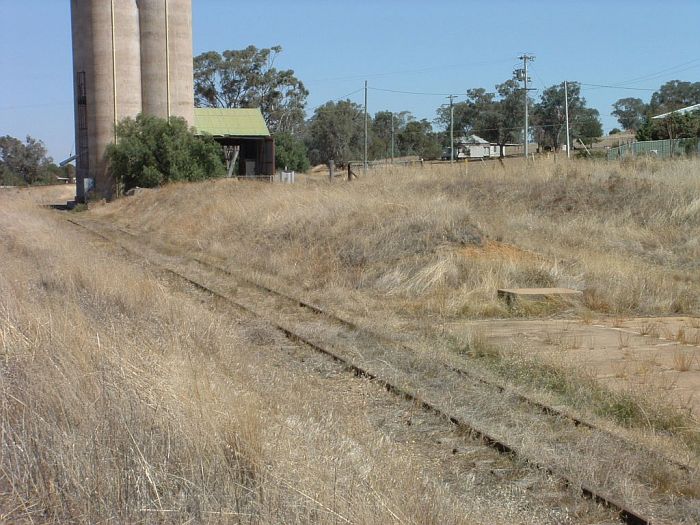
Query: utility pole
365, 159
452, 128
392, 137
521, 74
566, 103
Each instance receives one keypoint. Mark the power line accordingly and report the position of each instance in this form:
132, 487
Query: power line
312, 110
661, 72
415, 92
348, 95
615, 87
407, 71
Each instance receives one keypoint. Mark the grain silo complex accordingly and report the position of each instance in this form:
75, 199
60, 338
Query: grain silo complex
129, 57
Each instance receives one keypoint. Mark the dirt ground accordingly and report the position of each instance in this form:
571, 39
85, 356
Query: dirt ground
662, 353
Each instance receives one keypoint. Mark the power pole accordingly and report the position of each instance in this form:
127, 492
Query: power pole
452, 128
365, 159
521, 74
566, 103
392, 137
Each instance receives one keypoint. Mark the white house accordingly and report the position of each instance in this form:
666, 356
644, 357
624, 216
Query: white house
474, 147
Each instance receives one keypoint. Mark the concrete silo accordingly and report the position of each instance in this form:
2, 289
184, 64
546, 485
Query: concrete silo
129, 57
107, 76
166, 58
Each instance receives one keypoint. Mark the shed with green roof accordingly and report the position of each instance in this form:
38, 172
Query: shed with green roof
248, 146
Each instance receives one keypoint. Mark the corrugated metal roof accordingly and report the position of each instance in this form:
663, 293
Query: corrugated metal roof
230, 122
472, 139
681, 111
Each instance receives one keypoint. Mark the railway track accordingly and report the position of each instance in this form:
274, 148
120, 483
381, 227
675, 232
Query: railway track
501, 388
391, 377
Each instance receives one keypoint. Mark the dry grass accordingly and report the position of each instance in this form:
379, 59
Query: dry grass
419, 247
439, 242
683, 360
124, 401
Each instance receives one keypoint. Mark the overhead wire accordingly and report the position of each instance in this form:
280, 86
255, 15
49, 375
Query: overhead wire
668, 70
408, 71
414, 92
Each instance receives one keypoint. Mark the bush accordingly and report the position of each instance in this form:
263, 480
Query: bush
151, 151
290, 153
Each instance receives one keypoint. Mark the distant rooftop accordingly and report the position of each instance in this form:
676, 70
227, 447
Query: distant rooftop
472, 139
681, 111
233, 122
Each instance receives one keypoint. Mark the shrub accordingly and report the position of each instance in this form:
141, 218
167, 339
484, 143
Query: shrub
151, 151
290, 153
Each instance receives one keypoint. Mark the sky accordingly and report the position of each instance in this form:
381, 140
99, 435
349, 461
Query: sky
434, 48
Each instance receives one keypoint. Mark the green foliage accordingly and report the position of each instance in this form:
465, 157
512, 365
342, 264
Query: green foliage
418, 138
151, 151
336, 132
587, 126
26, 162
615, 131
247, 78
674, 126
549, 117
673, 95
630, 112
290, 153
494, 116
380, 135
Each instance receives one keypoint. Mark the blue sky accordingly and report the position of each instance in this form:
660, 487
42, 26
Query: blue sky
409, 45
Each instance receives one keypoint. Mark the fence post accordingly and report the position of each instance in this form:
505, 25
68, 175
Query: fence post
349, 171
331, 170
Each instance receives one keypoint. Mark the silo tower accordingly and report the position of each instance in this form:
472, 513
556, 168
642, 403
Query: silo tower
166, 58
129, 57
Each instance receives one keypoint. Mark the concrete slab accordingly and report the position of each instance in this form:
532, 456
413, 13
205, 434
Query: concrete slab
659, 355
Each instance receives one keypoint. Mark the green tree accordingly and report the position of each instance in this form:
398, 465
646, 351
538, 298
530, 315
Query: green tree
27, 161
247, 78
674, 95
336, 132
380, 134
630, 112
587, 126
290, 153
474, 115
381, 130
496, 117
549, 116
674, 126
417, 138
152, 151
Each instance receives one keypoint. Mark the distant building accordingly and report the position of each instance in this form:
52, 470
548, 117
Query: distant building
474, 147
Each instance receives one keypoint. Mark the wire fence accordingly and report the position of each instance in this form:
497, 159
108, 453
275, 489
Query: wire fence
656, 148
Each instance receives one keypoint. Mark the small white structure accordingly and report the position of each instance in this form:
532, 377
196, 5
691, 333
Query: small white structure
474, 147
286, 177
